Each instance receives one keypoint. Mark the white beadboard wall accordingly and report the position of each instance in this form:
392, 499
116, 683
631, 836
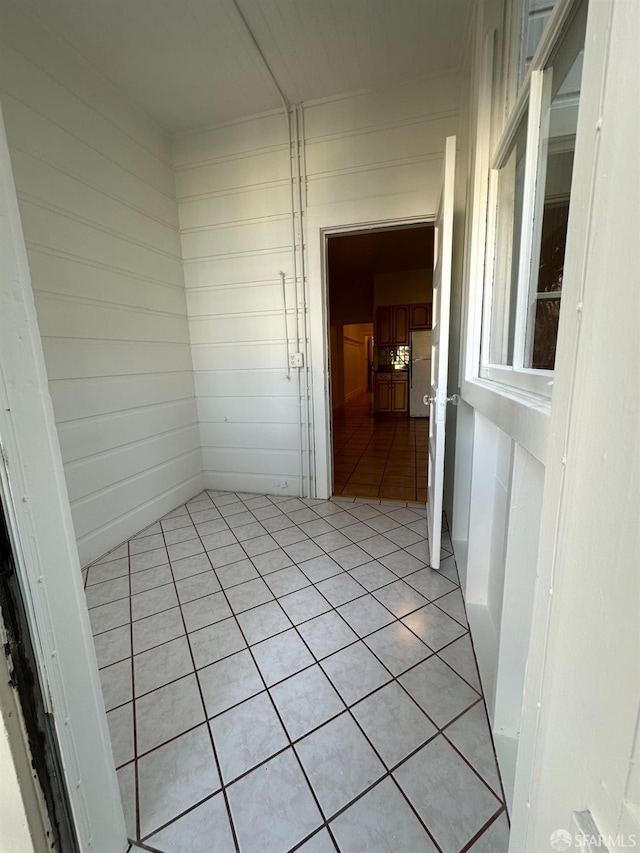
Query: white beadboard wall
234, 208
97, 200
368, 157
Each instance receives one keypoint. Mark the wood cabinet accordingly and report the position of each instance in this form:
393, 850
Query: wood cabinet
400, 394
401, 324
385, 329
420, 316
383, 392
393, 323
391, 393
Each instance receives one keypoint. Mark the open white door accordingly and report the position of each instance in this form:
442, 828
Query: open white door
437, 399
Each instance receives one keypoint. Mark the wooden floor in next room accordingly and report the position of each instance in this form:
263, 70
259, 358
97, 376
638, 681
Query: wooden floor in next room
379, 456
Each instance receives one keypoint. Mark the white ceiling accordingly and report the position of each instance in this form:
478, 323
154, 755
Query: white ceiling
191, 63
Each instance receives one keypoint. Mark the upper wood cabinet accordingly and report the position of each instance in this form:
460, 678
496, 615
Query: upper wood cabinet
420, 316
401, 323
392, 325
385, 328
393, 322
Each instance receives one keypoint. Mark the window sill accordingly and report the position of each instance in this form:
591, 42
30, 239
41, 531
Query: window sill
522, 415
537, 383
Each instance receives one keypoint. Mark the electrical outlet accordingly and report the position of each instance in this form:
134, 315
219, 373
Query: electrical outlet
296, 359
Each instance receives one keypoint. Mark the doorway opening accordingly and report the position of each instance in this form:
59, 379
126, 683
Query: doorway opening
379, 293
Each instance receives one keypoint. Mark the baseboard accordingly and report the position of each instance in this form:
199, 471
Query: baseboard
353, 394
507, 753
260, 484
114, 533
485, 641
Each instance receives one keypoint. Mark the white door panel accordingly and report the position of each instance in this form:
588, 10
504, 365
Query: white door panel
443, 248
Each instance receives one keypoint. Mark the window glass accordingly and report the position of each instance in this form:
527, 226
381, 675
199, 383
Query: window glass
507, 250
551, 212
535, 14
529, 205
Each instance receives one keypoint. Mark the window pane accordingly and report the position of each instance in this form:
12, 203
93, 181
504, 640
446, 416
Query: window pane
535, 14
546, 332
557, 145
508, 232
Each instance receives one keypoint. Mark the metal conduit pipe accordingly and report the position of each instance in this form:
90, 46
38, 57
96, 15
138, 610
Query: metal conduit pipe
300, 146
310, 404
286, 108
296, 213
283, 282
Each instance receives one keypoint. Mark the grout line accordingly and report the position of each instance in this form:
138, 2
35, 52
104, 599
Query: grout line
486, 714
310, 583
414, 810
169, 739
313, 835
334, 609
349, 711
352, 425
134, 717
484, 828
140, 845
204, 707
277, 712
466, 760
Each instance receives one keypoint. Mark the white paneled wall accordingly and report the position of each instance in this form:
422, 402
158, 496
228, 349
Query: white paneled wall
97, 187
364, 158
98, 208
381, 146
234, 202
234, 206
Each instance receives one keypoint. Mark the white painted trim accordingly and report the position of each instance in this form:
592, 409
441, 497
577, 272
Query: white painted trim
532, 164
583, 826
539, 382
475, 335
442, 265
558, 20
46, 554
529, 102
535, 243
503, 150
523, 416
585, 175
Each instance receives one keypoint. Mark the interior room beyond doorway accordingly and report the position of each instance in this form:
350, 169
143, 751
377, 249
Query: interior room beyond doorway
379, 458
380, 297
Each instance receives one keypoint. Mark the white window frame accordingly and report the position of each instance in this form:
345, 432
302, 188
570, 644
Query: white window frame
530, 101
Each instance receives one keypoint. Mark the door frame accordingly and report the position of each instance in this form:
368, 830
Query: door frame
38, 514
319, 335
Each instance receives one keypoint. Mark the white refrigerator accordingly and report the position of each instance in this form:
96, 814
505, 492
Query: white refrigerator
419, 371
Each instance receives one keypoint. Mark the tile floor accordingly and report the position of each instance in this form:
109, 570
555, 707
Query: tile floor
379, 456
285, 674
